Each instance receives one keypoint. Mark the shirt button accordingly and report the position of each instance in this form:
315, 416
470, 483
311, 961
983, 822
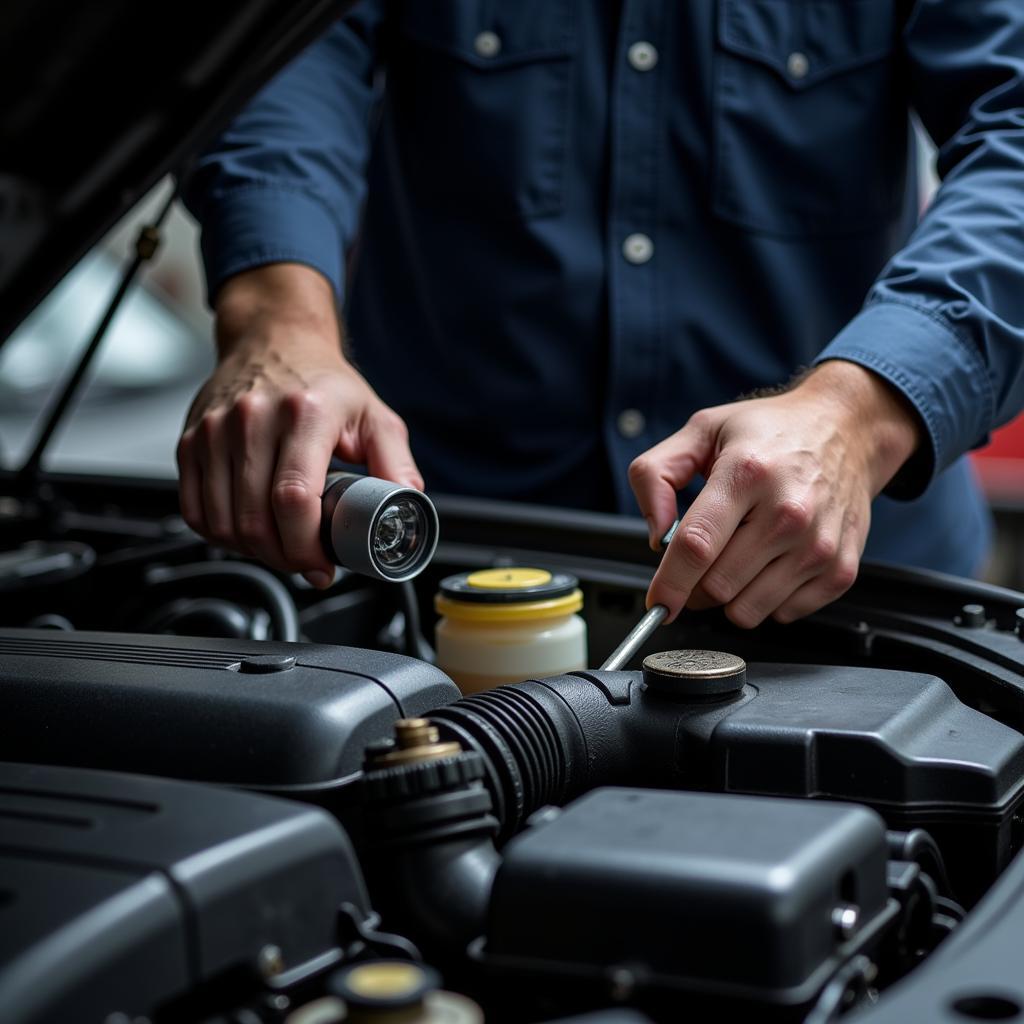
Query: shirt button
642, 56
638, 248
631, 423
487, 44
798, 65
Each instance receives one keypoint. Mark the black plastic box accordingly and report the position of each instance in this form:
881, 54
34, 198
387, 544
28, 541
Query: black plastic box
708, 893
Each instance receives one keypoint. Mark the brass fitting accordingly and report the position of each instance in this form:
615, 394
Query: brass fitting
416, 740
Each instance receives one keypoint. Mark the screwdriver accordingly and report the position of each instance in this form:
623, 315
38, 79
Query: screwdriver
644, 629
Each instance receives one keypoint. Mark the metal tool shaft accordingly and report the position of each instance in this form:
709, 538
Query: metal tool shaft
636, 638
642, 631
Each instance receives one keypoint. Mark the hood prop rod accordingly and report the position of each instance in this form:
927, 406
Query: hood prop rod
146, 246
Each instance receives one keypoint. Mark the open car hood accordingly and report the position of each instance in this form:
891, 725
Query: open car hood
103, 99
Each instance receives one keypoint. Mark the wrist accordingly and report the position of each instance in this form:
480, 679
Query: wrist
280, 304
873, 411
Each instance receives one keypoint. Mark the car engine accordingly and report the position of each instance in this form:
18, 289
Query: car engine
225, 797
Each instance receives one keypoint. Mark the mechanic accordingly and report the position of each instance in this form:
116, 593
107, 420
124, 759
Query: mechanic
588, 224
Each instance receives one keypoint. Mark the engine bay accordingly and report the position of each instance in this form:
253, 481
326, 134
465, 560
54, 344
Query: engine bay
226, 797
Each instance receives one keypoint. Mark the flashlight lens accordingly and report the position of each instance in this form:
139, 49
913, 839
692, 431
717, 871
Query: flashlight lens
399, 534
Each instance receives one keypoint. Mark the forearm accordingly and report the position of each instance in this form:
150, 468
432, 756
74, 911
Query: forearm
268, 305
871, 409
944, 323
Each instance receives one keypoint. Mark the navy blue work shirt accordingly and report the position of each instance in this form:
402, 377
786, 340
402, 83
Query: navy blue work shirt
563, 226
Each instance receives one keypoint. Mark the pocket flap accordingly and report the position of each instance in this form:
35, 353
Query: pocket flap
805, 41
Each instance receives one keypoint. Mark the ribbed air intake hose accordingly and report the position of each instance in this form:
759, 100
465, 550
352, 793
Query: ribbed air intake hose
547, 741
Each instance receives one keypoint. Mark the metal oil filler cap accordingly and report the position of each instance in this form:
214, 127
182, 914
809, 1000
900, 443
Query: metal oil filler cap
694, 675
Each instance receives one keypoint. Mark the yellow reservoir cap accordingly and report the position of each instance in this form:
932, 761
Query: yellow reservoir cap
388, 980
553, 608
508, 579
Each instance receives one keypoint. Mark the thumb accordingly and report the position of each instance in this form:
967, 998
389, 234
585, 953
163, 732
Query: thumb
662, 471
388, 456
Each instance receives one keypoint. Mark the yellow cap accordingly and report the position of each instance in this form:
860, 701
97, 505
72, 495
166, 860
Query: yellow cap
509, 594
508, 579
552, 608
387, 980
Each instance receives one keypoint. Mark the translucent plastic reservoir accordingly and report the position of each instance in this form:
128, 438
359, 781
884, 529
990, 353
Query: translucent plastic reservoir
503, 625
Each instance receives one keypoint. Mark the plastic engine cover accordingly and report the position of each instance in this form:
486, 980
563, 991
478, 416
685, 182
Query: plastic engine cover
725, 895
228, 711
119, 893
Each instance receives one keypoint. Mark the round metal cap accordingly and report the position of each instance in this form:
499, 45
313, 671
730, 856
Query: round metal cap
694, 675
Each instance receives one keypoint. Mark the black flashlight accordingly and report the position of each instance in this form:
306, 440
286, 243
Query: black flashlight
376, 527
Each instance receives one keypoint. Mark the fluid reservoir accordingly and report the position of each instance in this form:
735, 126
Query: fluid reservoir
502, 625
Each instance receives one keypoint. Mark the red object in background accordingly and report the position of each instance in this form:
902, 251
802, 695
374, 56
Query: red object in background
1000, 465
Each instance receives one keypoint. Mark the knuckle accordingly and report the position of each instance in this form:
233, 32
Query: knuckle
302, 406
248, 410
844, 575
793, 516
700, 420
744, 614
750, 469
640, 468
696, 542
822, 551
292, 495
718, 587
208, 428
394, 424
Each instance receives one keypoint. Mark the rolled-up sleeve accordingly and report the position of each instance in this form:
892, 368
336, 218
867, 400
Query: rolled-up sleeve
286, 181
944, 322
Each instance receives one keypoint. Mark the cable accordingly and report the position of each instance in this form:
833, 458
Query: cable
283, 612
415, 645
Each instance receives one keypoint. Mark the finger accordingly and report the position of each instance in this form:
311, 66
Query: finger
773, 586
254, 443
820, 591
773, 528
190, 494
659, 473
305, 453
733, 487
816, 560
386, 444
215, 465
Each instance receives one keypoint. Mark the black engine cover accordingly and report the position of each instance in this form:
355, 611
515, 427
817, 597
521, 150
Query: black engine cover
119, 893
271, 715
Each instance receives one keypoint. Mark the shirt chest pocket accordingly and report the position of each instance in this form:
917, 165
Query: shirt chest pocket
481, 91
810, 134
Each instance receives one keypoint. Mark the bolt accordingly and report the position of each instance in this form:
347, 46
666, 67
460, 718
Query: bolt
415, 732
845, 919
972, 616
270, 962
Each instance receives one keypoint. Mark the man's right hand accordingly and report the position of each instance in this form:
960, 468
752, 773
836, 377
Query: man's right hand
283, 399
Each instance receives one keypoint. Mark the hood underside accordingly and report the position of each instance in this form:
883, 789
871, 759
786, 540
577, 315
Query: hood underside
103, 99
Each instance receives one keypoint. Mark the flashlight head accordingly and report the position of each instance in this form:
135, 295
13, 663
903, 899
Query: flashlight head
378, 528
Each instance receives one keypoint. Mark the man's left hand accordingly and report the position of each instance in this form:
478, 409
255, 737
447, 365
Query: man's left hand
780, 525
